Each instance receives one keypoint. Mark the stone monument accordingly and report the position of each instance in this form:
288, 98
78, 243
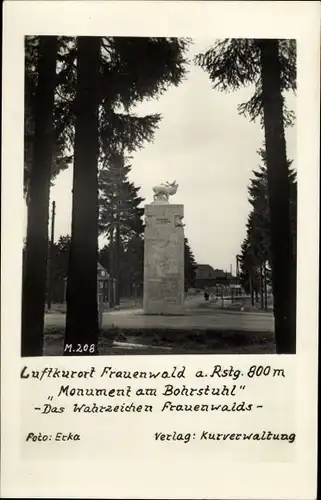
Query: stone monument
164, 254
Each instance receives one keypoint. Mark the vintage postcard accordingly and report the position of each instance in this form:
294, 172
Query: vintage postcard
160, 243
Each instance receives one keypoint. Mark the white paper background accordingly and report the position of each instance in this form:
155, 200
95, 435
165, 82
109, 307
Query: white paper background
118, 457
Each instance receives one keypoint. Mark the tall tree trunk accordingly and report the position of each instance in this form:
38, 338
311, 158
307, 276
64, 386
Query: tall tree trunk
82, 314
34, 275
111, 268
117, 265
261, 286
252, 291
117, 236
265, 287
279, 200
51, 256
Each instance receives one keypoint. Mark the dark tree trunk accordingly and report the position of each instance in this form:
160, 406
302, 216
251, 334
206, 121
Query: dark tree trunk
82, 314
117, 266
51, 257
252, 291
117, 237
261, 286
111, 267
35, 262
279, 200
265, 287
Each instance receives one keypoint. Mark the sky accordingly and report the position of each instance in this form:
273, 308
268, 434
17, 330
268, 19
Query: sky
209, 149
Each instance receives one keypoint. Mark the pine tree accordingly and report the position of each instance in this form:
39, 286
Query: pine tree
35, 261
259, 225
271, 66
62, 118
59, 264
39, 174
189, 266
119, 201
82, 315
120, 212
120, 215
283, 265
249, 270
234, 63
256, 248
132, 268
129, 70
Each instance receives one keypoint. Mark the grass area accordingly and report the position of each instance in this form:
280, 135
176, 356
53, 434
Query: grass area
125, 304
161, 341
237, 304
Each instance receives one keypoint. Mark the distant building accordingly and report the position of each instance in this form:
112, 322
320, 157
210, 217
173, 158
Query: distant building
105, 284
207, 276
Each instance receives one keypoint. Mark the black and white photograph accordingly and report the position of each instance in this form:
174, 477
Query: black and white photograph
160, 249
160, 195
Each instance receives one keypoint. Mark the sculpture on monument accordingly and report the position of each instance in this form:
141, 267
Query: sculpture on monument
178, 221
163, 191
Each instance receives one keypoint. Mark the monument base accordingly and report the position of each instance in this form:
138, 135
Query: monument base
165, 309
164, 260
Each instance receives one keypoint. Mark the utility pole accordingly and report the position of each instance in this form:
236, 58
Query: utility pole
265, 287
251, 290
237, 266
50, 256
111, 297
262, 286
120, 162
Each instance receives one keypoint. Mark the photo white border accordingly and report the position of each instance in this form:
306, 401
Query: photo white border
298, 20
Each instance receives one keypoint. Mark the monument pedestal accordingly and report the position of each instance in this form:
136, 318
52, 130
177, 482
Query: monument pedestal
164, 259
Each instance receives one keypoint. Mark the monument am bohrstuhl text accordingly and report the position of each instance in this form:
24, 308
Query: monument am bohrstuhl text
164, 254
